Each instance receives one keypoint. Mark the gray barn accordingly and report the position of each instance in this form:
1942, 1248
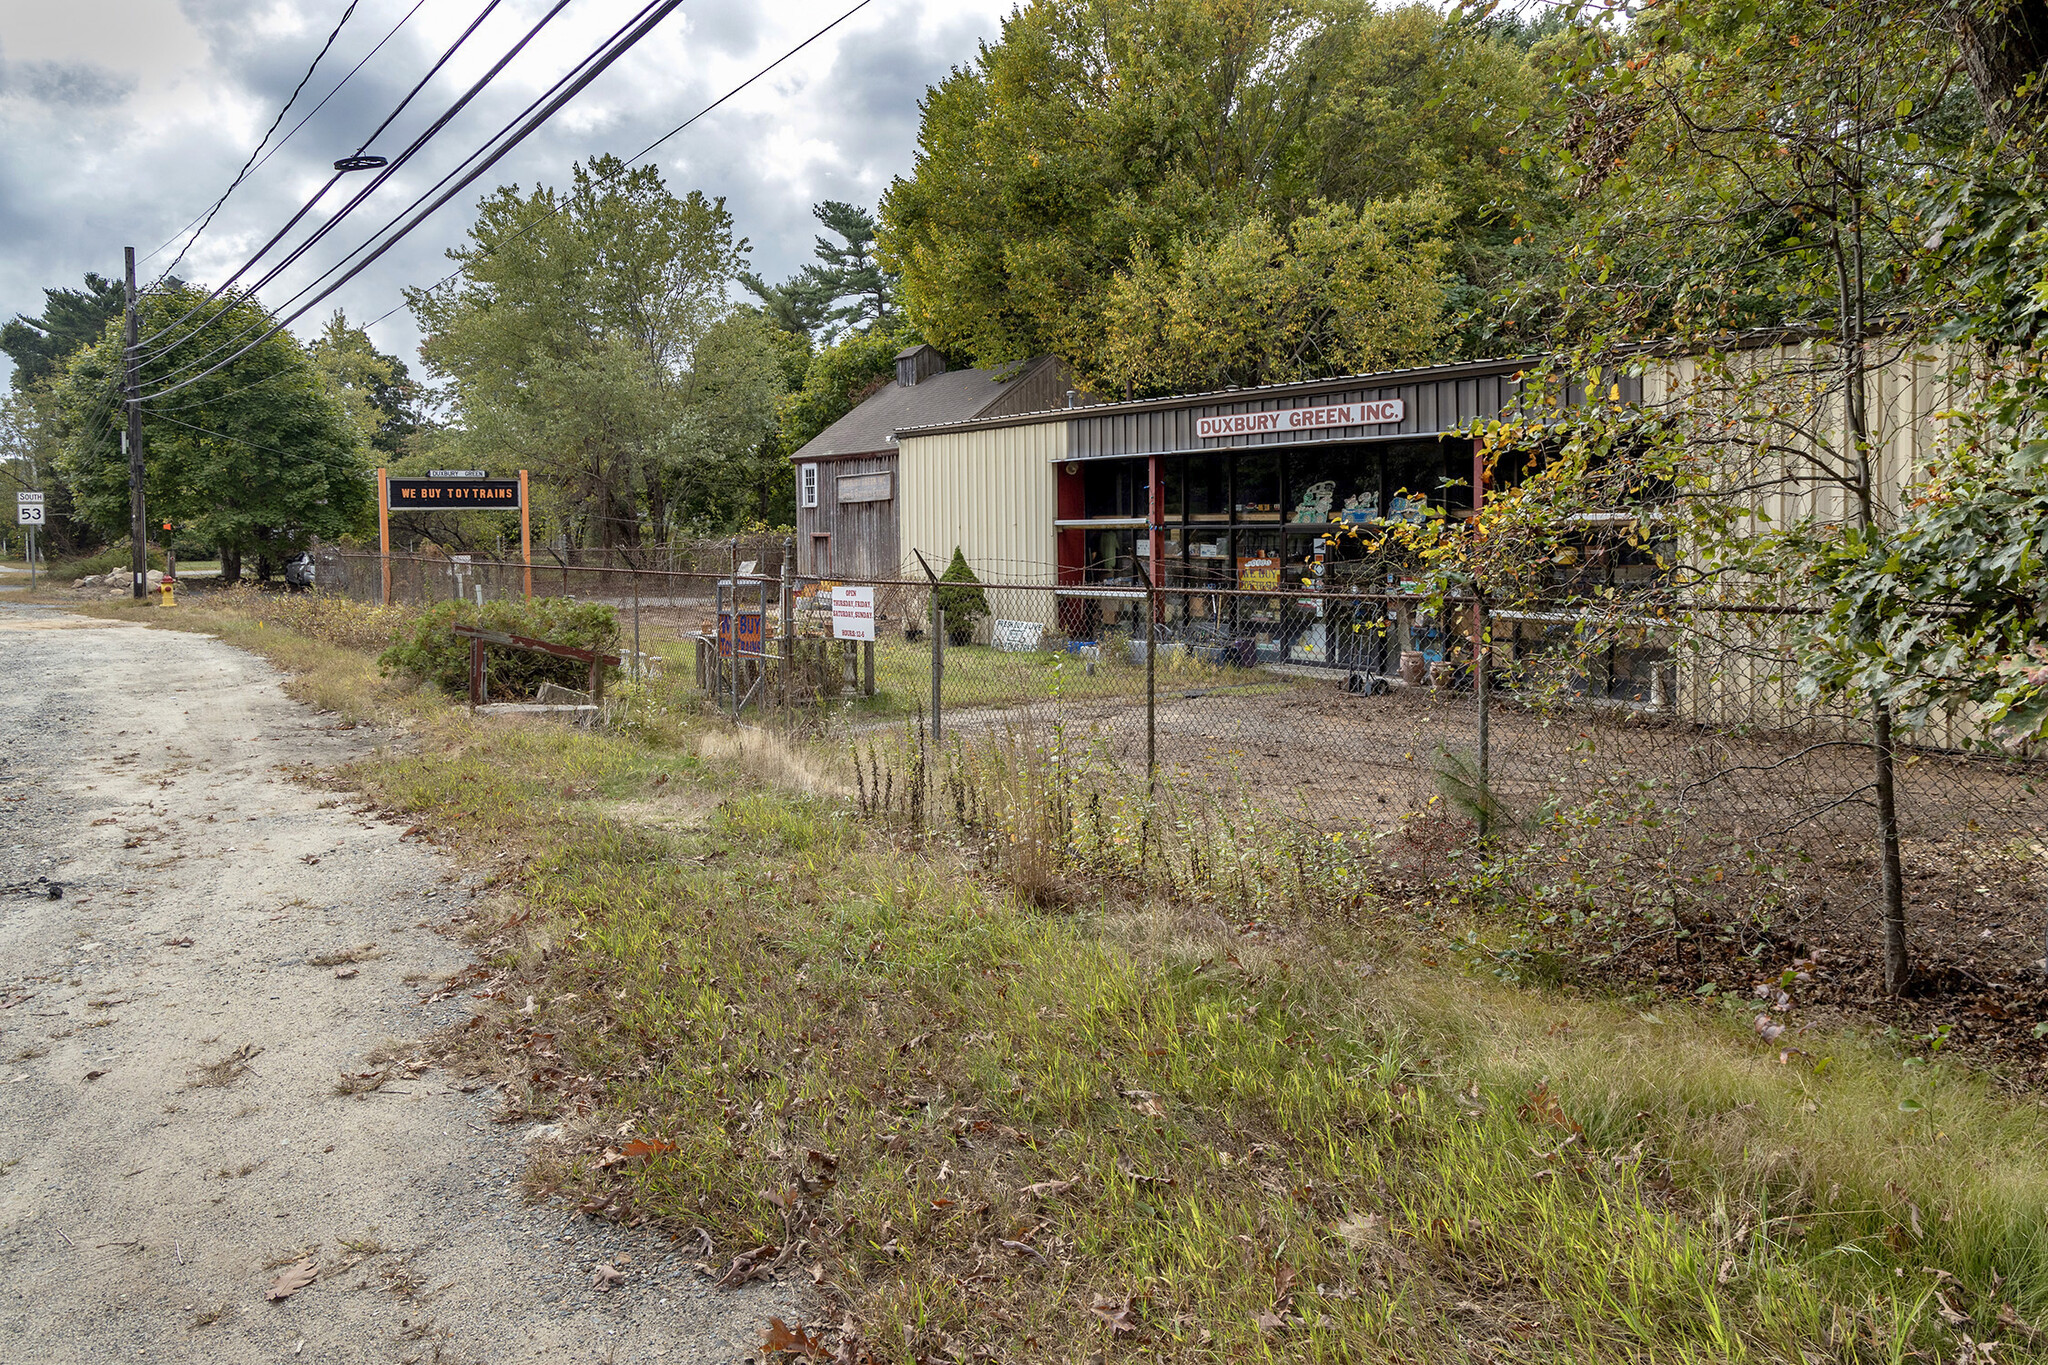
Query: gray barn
848, 501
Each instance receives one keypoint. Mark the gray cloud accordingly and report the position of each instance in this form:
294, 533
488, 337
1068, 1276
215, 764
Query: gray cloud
73, 85
133, 151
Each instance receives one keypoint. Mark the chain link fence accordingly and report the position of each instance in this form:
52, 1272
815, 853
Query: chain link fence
1667, 758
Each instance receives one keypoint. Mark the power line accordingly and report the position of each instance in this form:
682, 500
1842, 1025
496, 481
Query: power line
449, 278
384, 174
251, 162
388, 36
673, 132
595, 67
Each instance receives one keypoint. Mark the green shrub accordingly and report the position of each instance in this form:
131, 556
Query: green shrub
962, 600
431, 652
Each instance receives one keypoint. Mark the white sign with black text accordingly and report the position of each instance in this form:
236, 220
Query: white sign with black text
853, 613
1378, 413
28, 509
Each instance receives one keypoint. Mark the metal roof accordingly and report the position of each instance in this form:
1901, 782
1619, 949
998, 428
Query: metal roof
1303, 388
949, 397
1436, 398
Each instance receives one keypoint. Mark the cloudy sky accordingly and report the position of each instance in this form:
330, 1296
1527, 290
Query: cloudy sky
121, 121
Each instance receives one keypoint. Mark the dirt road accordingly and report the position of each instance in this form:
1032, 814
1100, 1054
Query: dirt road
170, 1131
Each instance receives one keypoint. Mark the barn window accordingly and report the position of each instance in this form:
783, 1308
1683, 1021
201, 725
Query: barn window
807, 485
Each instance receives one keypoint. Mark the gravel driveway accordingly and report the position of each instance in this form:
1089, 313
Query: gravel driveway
170, 1132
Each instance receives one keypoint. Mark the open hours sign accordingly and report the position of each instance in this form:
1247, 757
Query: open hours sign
453, 495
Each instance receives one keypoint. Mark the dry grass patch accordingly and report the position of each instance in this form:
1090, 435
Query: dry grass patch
226, 1071
342, 957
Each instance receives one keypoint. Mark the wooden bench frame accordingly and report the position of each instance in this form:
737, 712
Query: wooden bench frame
479, 638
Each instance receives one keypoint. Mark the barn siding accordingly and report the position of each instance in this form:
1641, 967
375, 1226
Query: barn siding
863, 534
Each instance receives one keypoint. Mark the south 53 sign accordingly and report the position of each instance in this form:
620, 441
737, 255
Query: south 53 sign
28, 509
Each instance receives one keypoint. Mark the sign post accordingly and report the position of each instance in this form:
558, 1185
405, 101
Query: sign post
28, 512
525, 536
384, 529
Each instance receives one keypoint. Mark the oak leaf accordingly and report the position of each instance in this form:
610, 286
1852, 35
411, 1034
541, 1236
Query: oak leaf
293, 1279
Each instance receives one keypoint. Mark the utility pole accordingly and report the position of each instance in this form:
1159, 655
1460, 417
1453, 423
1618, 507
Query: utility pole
138, 527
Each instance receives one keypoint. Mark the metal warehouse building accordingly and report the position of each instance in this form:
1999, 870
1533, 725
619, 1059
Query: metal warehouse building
1211, 487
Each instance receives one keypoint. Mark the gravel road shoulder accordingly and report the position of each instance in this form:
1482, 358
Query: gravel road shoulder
152, 1185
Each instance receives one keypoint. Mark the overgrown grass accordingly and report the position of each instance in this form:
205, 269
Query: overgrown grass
1241, 1124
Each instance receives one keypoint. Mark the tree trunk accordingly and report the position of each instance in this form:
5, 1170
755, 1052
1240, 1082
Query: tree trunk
230, 565
2004, 45
1855, 399
1892, 878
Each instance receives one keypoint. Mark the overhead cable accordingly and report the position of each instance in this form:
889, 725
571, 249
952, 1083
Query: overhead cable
385, 173
453, 275
388, 36
251, 162
660, 11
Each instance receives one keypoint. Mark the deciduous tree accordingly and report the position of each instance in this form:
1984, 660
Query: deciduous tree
589, 343
1099, 134
256, 458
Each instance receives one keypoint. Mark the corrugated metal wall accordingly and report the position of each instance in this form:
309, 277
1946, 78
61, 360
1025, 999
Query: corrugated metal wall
1802, 385
1905, 396
1431, 406
990, 492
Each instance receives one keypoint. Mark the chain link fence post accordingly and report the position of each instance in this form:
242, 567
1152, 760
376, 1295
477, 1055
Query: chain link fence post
1482, 687
938, 646
788, 646
1151, 680
731, 623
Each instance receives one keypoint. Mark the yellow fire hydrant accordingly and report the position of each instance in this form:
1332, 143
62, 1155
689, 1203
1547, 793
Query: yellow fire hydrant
166, 585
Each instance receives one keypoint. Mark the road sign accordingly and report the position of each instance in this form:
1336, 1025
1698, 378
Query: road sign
453, 495
853, 613
28, 509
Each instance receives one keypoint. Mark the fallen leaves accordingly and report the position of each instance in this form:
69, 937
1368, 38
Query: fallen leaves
749, 1265
1118, 1313
293, 1279
1022, 1249
1542, 1108
647, 1147
780, 1336
1146, 1103
603, 1278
